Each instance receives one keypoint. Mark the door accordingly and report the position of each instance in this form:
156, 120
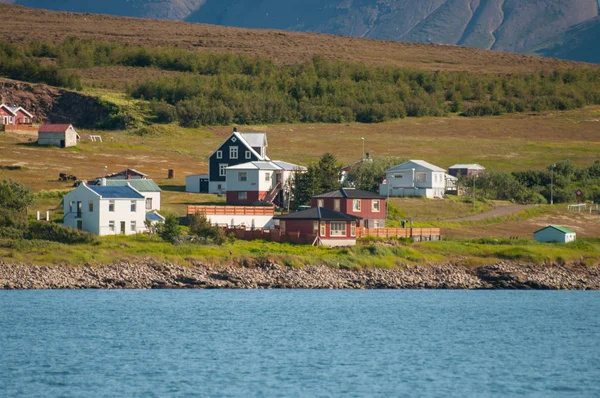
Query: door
62, 143
203, 185
79, 225
122, 227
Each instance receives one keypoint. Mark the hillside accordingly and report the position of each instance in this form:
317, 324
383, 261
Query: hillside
581, 43
28, 24
504, 25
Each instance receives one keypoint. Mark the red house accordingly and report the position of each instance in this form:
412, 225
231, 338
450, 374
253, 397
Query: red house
367, 205
332, 228
13, 115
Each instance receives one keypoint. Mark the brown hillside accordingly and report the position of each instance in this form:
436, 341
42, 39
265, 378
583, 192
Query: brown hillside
282, 47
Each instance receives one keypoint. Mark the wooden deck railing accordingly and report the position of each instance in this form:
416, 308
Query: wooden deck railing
397, 232
233, 210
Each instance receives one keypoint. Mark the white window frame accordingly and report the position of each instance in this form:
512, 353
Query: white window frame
133, 206
353, 229
377, 208
111, 226
223, 169
233, 152
242, 176
398, 176
242, 195
148, 203
323, 229
320, 203
421, 176
219, 154
336, 205
111, 206
356, 208
91, 206
337, 231
248, 155
315, 228
133, 225
267, 177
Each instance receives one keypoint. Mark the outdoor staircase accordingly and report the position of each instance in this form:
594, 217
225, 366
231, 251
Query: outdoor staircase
272, 194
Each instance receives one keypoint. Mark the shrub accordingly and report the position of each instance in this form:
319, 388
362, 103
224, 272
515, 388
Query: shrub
170, 230
58, 233
202, 228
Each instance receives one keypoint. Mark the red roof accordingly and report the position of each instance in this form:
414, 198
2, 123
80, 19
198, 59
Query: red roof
54, 128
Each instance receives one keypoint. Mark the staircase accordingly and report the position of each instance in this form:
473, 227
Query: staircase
272, 194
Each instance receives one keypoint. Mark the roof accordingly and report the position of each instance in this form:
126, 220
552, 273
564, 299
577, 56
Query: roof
54, 128
350, 193
8, 108
107, 192
255, 139
197, 175
422, 163
318, 213
138, 185
127, 171
451, 177
471, 166
274, 165
558, 228
16, 109
154, 216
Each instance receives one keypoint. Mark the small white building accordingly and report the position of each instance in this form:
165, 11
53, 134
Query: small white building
414, 178
555, 233
197, 183
252, 182
60, 135
105, 210
146, 187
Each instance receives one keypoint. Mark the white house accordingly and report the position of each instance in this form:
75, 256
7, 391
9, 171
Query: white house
554, 233
105, 210
414, 178
60, 135
251, 182
146, 187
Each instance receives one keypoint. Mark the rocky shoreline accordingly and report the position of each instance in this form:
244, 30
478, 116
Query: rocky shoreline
149, 274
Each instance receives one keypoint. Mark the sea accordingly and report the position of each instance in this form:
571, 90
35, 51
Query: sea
299, 343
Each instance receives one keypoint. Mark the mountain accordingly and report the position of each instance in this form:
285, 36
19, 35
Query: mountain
581, 43
505, 25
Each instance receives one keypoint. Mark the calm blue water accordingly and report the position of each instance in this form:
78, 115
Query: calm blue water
299, 343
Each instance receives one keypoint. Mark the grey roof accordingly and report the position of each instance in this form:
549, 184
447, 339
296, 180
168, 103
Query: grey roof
108, 192
255, 139
350, 193
471, 166
288, 166
139, 185
154, 216
261, 165
422, 163
318, 213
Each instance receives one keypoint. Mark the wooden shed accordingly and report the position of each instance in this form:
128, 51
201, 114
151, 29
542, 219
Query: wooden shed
60, 135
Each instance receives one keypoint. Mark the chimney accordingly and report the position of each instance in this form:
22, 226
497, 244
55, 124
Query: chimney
103, 181
235, 129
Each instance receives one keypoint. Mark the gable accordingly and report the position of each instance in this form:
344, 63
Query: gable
235, 140
418, 166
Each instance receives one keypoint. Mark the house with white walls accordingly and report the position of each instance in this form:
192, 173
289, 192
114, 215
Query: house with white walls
146, 187
105, 210
414, 178
252, 182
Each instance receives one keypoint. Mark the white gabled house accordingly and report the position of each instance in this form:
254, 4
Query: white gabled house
105, 210
414, 178
269, 181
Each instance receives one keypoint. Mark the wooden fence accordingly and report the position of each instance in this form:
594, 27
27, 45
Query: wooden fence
233, 210
270, 235
22, 129
416, 233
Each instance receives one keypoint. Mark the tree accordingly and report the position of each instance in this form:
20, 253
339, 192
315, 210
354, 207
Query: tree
368, 174
201, 227
170, 230
15, 198
328, 173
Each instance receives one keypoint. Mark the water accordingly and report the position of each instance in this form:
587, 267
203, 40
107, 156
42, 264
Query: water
299, 343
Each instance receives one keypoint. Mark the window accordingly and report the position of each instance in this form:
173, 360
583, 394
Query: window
353, 229
111, 205
267, 177
421, 177
375, 205
338, 229
148, 203
323, 231
242, 176
91, 206
133, 226
282, 226
79, 209
233, 152
133, 206
398, 176
248, 155
71, 207
356, 205
80, 224
315, 227
320, 203
219, 154
243, 195
26, 120
111, 226
222, 169
336, 204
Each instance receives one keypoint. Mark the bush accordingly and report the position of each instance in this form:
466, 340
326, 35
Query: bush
170, 230
202, 228
58, 233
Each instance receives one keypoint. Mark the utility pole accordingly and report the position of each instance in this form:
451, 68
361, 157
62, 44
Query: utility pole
552, 184
474, 192
363, 142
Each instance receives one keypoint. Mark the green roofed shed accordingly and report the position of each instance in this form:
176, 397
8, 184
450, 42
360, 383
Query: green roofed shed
555, 233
